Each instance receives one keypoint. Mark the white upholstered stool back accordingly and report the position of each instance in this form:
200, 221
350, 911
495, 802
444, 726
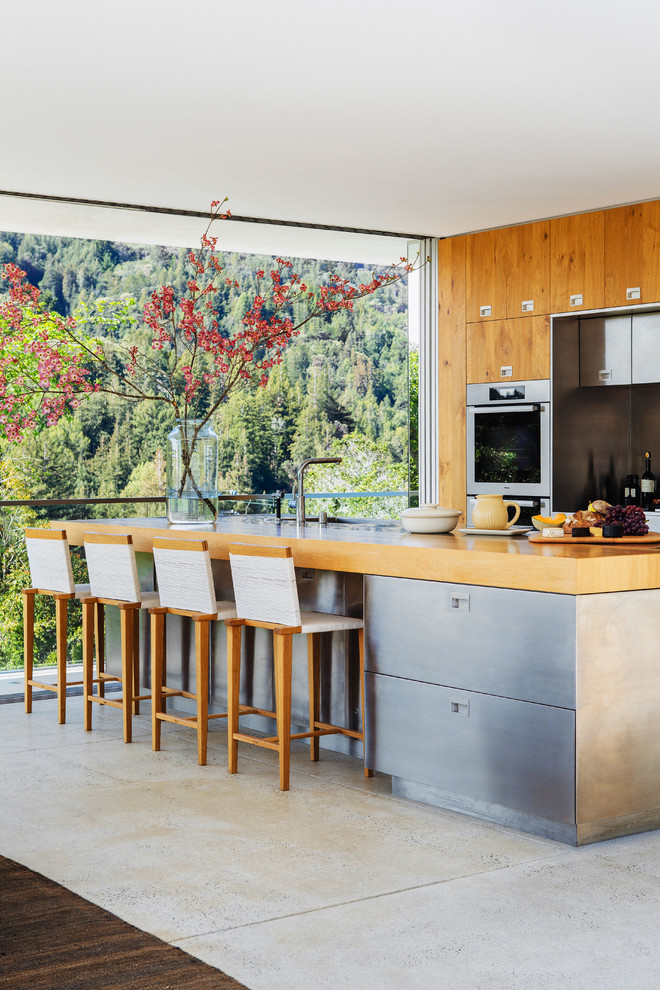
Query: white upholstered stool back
185, 578
51, 574
50, 560
112, 567
186, 588
264, 584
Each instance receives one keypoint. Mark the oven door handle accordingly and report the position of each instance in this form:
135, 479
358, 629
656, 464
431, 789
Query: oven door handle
534, 407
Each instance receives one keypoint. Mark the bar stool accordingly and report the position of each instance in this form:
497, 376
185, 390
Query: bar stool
186, 588
114, 581
51, 574
267, 598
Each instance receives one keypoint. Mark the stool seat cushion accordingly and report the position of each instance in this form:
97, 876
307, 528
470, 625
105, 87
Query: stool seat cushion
318, 622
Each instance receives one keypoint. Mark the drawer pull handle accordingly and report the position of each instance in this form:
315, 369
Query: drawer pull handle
460, 708
461, 602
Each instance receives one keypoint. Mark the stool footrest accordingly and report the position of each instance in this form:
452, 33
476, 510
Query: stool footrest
168, 692
52, 687
104, 701
189, 720
257, 740
116, 704
353, 733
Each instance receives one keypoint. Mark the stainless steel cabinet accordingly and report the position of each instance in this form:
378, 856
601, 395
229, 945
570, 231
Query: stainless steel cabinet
645, 348
510, 754
605, 350
495, 640
620, 350
471, 698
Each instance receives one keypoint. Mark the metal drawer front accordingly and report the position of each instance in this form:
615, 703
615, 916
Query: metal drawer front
520, 644
509, 753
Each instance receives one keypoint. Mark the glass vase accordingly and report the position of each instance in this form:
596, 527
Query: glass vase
192, 473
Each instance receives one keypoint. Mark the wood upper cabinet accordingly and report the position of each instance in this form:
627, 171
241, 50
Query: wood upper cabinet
528, 279
577, 262
508, 272
486, 266
632, 254
508, 350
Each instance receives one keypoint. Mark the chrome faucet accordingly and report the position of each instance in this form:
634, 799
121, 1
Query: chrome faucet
300, 490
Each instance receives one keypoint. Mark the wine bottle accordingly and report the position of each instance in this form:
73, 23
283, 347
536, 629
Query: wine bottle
648, 483
632, 490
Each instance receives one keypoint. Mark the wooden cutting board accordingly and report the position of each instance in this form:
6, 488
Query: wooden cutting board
650, 538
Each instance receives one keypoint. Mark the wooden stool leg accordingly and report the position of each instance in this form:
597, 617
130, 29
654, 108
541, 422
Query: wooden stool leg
367, 772
314, 681
283, 643
157, 666
136, 660
60, 634
233, 692
127, 627
28, 646
202, 687
88, 622
99, 637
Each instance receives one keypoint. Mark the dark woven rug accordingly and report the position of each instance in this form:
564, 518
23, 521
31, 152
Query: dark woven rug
51, 938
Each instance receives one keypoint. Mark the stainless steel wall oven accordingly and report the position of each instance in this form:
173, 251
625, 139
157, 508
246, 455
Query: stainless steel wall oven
508, 442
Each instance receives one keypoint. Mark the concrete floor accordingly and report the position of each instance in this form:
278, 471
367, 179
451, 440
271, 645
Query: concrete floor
335, 884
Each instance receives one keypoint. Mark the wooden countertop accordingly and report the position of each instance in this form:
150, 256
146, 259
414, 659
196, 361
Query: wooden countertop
496, 561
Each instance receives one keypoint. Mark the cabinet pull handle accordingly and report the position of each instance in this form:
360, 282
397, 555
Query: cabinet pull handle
604, 376
577, 300
460, 708
461, 602
635, 293
506, 371
485, 310
528, 306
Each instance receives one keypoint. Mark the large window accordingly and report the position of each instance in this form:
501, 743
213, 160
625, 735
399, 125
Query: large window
343, 388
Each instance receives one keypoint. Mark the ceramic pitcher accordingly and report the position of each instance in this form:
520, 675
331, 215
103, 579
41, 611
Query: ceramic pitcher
492, 512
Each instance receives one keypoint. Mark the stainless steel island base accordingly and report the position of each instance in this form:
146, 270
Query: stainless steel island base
530, 709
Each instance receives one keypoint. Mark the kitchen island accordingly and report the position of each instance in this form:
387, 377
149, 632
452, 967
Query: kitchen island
519, 682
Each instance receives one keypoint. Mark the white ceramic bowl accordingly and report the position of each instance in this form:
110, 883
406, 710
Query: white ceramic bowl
430, 519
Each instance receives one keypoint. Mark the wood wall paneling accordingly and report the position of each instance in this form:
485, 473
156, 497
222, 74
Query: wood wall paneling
522, 344
452, 361
577, 261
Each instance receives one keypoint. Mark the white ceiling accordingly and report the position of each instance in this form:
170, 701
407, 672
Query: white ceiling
424, 117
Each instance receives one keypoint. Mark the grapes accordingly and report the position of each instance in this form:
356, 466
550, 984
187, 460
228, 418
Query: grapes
631, 517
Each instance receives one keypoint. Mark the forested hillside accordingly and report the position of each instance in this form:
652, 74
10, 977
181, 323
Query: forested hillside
345, 375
